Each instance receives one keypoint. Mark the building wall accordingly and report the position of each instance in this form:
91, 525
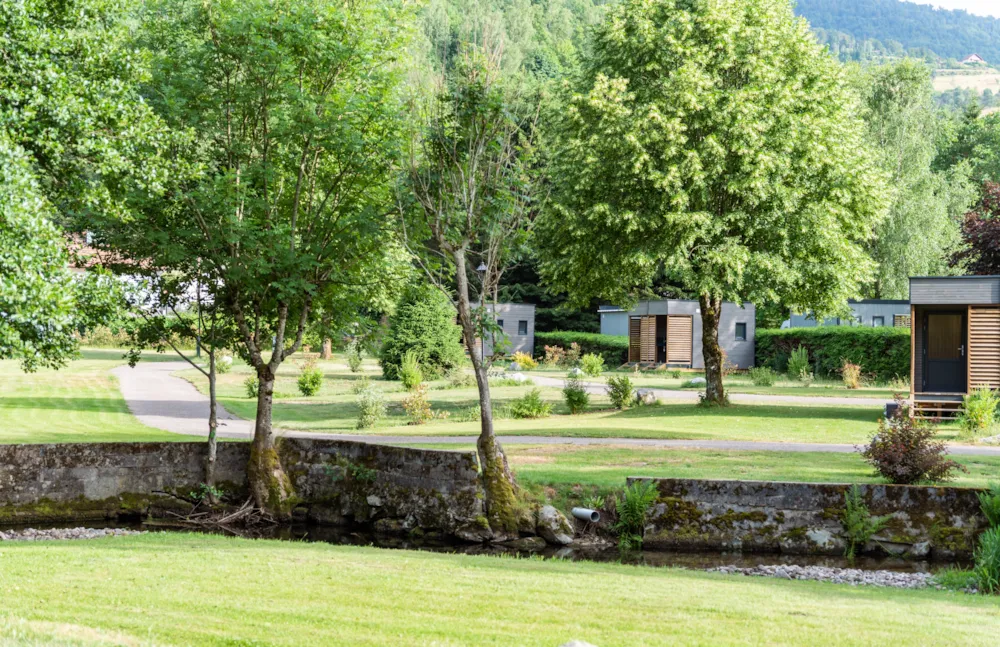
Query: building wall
952, 290
614, 323
862, 314
511, 314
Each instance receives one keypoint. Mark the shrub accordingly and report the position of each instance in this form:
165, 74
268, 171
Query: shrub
371, 407
311, 379
676, 374
989, 503
360, 384
858, 522
354, 355
955, 579
577, 398
592, 365
410, 373
424, 322
251, 386
621, 392
807, 378
572, 355
501, 380
987, 556
903, 450
980, 409
459, 379
224, 364
633, 511
850, 373
554, 355
798, 362
417, 406
692, 384
762, 376
524, 360
530, 405
613, 348
883, 351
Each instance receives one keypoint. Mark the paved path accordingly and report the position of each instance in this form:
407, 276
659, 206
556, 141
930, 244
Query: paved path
161, 400
691, 395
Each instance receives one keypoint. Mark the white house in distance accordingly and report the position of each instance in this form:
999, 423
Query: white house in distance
973, 59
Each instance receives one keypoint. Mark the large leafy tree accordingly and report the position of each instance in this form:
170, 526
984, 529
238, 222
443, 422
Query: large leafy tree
716, 141
283, 199
73, 140
921, 230
981, 235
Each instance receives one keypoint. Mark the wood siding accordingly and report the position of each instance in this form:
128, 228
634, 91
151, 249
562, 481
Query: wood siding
634, 338
647, 349
679, 339
984, 347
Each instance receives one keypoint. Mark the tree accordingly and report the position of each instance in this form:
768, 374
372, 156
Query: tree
424, 322
716, 142
921, 231
467, 204
292, 126
73, 140
981, 234
974, 140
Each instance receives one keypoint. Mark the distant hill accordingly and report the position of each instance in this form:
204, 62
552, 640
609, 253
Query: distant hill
864, 29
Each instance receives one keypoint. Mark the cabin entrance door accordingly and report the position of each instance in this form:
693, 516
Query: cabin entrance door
945, 369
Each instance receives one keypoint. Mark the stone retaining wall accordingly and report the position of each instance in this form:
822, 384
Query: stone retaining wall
336, 481
935, 522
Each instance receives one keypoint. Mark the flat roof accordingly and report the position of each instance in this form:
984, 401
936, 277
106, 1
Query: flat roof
964, 276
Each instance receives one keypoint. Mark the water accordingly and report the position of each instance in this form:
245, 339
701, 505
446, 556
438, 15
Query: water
362, 536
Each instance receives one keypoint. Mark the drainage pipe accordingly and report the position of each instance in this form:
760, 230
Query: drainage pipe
586, 514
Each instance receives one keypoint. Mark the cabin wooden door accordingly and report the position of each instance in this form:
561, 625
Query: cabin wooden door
945, 352
679, 339
647, 348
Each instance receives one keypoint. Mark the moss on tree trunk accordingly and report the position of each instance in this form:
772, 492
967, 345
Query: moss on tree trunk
711, 312
270, 487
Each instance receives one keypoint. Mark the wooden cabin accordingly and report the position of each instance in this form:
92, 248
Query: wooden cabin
954, 341
668, 332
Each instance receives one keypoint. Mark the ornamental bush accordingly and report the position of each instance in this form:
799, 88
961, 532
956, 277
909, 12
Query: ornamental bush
882, 352
592, 365
577, 398
621, 392
612, 348
311, 379
424, 322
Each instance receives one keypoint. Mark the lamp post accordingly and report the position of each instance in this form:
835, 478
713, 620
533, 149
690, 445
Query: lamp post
482, 308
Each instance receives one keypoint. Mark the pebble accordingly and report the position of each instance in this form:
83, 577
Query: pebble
32, 534
852, 576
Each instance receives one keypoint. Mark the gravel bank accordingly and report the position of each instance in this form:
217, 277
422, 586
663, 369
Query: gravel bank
31, 534
852, 576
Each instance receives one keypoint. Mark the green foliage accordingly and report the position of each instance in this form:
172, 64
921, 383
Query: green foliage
459, 379
850, 374
954, 578
410, 373
251, 386
858, 522
989, 503
613, 349
355, 355
371, 406
417, 406
987, 558
224, 364
621, 392
979, 411
500, 380
205, 492
424, 325
524, 360
762, 376
592, 365
530, 405
575, 394
798, 362
633, 511
882, 352
310, 379
360, 384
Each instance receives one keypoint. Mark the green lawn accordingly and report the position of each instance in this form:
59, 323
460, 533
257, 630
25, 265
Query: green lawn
78, 403
209, 590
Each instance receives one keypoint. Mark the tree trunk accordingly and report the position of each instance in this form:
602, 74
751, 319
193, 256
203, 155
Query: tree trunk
498, 482
327, 349
711, 312
213, 425
269, 485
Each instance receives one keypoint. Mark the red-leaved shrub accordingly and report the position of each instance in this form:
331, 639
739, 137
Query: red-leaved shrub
904, 451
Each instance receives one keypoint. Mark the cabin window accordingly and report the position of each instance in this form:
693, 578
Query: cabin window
878, 321
500, 323
741, 332
522, 327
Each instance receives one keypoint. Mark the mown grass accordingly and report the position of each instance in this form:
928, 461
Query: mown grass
78, 403
209, 590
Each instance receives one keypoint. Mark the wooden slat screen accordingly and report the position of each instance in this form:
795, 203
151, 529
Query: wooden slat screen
901, 321
647, 352
679, 329
984, 347
634, 337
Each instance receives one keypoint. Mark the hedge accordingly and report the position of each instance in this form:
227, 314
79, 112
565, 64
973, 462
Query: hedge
882, 352
612, 348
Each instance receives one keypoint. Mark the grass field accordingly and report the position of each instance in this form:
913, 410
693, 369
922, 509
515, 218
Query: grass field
78, 403
193, 589
974, 80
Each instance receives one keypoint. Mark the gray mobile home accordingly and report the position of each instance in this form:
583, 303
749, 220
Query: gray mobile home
517, 320
668, 332
869, 312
